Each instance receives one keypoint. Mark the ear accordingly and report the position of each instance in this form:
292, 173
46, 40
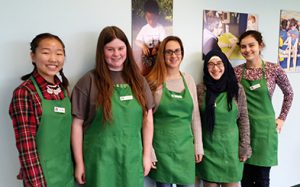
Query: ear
32, 55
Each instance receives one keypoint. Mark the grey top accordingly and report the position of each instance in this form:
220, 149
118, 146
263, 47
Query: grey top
85, 92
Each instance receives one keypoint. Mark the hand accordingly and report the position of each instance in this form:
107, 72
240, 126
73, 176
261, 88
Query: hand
147, 165
154, 51
80, 173
198, 158
279, 124
243, 158
146, 51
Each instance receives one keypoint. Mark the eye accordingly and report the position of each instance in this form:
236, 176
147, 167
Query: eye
177, 51
121, 48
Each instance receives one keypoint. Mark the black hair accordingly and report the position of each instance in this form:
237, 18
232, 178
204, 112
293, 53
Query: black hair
151, 6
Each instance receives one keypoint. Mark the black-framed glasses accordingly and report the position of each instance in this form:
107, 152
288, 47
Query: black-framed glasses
211, 65
170, 52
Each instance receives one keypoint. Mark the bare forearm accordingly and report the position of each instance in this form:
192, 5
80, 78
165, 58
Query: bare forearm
147, 133
77, 136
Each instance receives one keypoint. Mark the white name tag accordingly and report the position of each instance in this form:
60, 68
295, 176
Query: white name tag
59, 109
176, 96
126, 98
254, 87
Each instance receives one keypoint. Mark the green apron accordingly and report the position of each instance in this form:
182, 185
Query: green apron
221, 160
173, 138
264, 137
53, 141
113, 150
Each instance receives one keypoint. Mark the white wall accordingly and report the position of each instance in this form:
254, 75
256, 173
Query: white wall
78, 23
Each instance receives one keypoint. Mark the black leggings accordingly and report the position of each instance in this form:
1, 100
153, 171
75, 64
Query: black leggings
256, 176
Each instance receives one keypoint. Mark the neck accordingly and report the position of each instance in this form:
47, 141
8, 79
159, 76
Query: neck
173, 74
257, 63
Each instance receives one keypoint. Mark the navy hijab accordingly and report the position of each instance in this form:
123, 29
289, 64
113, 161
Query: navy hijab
227, 83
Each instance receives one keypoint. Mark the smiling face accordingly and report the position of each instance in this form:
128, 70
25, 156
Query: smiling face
115, 54
215, 67
173, 54
250, 48
49, 58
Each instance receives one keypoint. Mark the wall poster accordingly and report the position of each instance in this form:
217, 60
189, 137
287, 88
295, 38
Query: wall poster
288, 50
152, 21
221, 30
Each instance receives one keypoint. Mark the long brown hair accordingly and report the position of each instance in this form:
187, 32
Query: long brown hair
158, 73
130, 73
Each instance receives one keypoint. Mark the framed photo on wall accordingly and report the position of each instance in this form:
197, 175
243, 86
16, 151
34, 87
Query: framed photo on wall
221, 30
288, 49
152, 21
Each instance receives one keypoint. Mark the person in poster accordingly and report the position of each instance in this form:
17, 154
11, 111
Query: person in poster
150, 36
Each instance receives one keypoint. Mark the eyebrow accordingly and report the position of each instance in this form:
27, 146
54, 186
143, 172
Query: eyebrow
174, 49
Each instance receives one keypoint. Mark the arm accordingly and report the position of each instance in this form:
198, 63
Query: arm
196, 122
244, 126
286, 88
77, 137
142, 46
147, 141
25, 121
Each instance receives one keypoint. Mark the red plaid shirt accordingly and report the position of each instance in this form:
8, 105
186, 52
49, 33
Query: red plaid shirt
25, 111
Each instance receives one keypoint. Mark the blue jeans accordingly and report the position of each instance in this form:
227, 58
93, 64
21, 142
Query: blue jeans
159, 184
256, 176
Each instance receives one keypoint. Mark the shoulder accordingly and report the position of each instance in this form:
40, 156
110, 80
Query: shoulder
160, 26
24, 89
188, 77
86, 82
86, 78
238, 68
273, 65
274, 69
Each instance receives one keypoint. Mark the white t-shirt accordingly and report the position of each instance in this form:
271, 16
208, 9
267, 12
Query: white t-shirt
151, 36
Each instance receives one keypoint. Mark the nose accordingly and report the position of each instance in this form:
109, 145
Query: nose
53, 57
247, 48
115, 52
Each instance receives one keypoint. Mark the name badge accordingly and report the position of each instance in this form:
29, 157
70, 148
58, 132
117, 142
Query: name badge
59, 109
254, 87
176, 96
126, 98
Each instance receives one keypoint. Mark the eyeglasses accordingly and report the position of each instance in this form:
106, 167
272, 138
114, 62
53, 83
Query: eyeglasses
170, 52
211, 65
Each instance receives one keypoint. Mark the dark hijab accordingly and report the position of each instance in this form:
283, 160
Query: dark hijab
227, 83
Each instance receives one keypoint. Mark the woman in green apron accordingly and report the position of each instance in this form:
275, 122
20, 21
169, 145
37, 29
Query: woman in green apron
225, 123
41, 113
259, 79
112, 128
177, 138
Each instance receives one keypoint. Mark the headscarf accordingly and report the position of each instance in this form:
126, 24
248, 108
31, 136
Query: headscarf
227, 83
